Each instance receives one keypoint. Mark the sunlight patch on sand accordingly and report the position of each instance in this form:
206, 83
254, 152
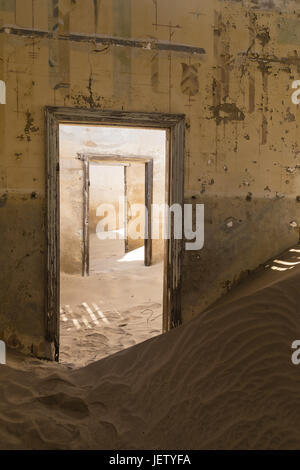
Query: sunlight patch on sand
135, 255
286, 263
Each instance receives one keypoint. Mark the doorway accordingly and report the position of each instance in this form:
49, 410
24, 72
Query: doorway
130, 183
173, 128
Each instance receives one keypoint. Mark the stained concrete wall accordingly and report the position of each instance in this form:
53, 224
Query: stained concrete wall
242, 152
71, 212
107, 186
135, 195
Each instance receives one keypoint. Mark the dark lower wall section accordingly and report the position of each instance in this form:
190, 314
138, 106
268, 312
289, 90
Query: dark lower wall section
22, 276
240, 234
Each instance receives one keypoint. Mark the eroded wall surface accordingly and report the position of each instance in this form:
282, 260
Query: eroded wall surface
107, 186
242, 155
71, 215
135, 216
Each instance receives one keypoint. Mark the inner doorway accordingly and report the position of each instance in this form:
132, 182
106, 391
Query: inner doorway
116, 301
105, 182
119, 185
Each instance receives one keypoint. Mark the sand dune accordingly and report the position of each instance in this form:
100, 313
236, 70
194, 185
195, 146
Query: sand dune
223, 381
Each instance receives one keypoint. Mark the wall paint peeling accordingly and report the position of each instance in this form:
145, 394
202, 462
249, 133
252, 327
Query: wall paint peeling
227, 65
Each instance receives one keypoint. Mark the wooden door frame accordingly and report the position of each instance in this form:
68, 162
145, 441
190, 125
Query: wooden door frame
86, 217
121, 160
148, 205
174, 124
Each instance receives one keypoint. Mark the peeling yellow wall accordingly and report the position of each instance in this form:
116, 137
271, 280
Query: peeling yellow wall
242, 155
107, 186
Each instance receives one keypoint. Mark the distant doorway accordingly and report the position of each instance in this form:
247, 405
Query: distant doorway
121, 182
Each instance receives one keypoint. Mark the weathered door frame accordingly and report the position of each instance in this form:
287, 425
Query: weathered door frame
175, 125
88, 158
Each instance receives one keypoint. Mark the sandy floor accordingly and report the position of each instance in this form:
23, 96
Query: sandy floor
224, 380
118, 306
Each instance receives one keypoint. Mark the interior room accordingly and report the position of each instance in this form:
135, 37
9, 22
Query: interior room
150, 226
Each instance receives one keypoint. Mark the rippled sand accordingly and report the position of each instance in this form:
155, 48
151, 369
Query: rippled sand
222, 381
